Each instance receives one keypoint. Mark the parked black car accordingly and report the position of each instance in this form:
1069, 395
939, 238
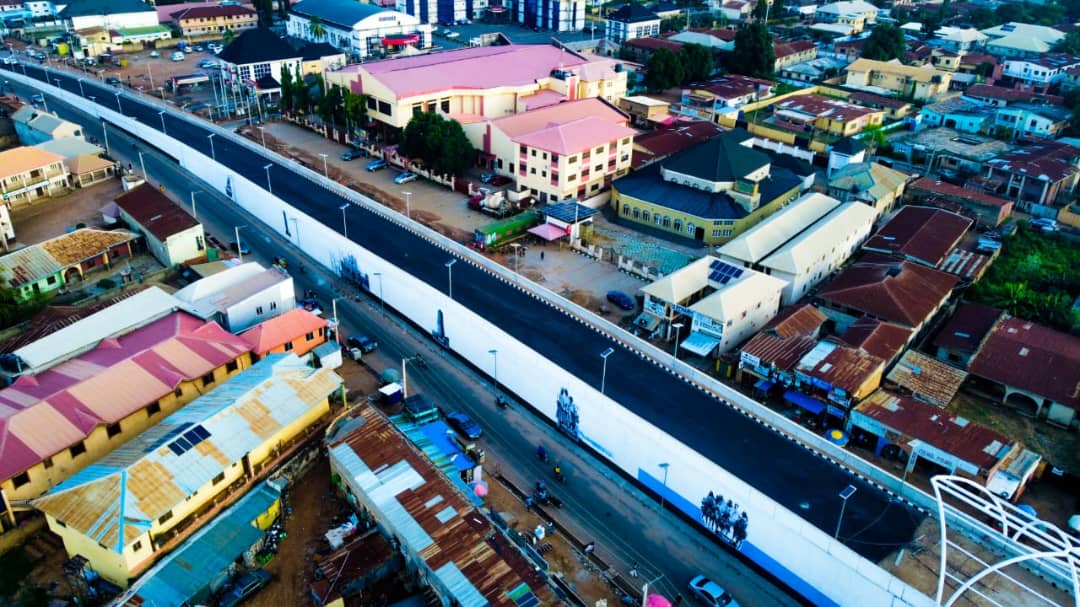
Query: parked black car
244, 587
460, 421
620, 299
363, 342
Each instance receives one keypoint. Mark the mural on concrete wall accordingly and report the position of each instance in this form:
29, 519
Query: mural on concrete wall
439, 332
229, 188
566, 414
724, 518
349, 269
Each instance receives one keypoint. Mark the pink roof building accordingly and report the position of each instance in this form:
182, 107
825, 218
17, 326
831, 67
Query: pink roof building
42, 415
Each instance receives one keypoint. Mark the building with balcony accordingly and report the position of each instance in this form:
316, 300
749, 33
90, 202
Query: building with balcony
1041, 71
631, 21
170, 232
719, 304
162, 365
819, 114
479, 83
27, 174
361, 31
709, 193
919, 83
215, 20
1043, 173
571, 150
129, 508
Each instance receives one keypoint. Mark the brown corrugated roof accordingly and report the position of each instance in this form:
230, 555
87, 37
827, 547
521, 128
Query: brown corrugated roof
83, 244
897, 291
1031, 357
458, 531
882, 339
87, 163
968, 441
843, 367
780, 353
968, 326
667, 141
652, 44
155, 212
1050, 159
923, 234
948, 190
793, 321
927, 378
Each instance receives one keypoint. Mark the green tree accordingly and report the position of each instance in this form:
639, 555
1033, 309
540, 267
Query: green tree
265, 10
774, 9
440, 143
283, 8
754, 54
663, 70
356, 109
983, 18
287, 92
316, 28
697, 62
885, 43
1069, 44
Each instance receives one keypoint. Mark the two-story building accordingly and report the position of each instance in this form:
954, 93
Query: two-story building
854, 14
708, 193
870, 183
631, 21
127, 21
802, 244
791, 53
919, 83
722, 96
958, 39
124, 511
215, 20
1040, 174
719, 304
171, 233
1041, 71
1021, 39
241, 296
1022, 120
570, 150
296, 331
162, 366
28, 173
483, 82
360, 30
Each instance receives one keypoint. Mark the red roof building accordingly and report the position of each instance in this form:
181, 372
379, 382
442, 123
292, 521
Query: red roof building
924, 430
297, 331
884, 340
920, 234
1038, 367
663, 142
1002, 96
1043, 173
965, 332
774, 352
878, 286
987, 209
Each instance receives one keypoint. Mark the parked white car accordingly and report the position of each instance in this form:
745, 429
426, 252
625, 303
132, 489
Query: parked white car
177, 56
710, 593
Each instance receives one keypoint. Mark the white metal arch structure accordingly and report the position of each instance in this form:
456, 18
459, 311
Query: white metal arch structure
965, 503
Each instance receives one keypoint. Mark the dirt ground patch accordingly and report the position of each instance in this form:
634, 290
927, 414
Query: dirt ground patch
1059, 446
51, 217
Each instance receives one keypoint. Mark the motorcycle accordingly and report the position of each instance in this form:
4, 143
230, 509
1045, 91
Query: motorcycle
501, 402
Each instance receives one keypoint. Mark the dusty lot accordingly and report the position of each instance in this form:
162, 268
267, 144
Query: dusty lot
51, 217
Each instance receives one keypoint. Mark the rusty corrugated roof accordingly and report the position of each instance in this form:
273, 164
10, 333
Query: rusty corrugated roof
927, 378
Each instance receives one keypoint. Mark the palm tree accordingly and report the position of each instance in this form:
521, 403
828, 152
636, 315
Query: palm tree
316, 29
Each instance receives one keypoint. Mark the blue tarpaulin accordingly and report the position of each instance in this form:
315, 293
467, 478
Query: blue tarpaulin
799, 399
764, 385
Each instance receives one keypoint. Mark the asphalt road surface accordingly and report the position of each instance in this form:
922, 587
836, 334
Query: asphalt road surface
775, 465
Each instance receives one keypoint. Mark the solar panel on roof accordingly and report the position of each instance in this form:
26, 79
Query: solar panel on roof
715, 264
737, 273
176, 449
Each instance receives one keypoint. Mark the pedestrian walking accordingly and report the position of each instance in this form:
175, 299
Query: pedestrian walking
633, 569
590, 547
541, 256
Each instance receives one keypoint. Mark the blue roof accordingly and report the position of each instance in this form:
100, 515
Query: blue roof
435, 440
186, 574
647, 185
568, 212
345, 13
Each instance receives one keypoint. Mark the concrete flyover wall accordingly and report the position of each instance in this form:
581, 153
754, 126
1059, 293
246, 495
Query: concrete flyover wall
627, 441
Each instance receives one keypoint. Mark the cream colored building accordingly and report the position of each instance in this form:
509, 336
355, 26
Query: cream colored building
27, 173
567, 151
215, 20
472, 84
919, 83
134, 505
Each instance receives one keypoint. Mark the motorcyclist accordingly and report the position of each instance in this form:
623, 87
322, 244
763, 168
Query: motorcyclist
541, 453
558, 472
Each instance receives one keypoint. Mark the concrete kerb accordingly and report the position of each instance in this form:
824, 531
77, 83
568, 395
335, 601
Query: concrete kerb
726, 395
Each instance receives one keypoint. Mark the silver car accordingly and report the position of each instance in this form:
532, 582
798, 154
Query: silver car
710, 593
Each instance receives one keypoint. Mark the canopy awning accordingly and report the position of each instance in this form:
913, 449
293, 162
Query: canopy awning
764, 385
803, 401
400, 39
548, 231
700, 344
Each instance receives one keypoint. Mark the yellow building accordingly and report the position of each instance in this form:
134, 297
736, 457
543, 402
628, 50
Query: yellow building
563, 151
945, 60
823, 115
139, 502
472, 84
215, 20
709, 193
161, 366
918, 83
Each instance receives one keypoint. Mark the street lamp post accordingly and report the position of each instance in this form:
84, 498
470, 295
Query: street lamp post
194, 213
269, 185
296, 229
495, 367
118, 107
82, 91
337, 327
450, 277
239, 246
162, 114
344, 223
408, 212
664, 466
517, 255
677, 326
603, 376
142, 163
262, 131
844, 495
150, 73
213, 155
325, 171
105, 132
382, 308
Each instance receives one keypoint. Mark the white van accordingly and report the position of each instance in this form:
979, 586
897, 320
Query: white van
177, 56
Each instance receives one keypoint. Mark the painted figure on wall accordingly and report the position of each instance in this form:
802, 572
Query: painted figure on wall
439, 333
724, 518
567, 415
